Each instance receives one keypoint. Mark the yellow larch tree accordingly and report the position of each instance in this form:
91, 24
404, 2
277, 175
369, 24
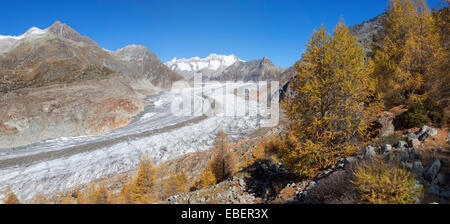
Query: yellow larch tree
224, 162
333, 105
141, 192
410, 57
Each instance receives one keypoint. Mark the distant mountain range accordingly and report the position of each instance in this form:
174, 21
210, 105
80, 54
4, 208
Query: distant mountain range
210, 67
225, 68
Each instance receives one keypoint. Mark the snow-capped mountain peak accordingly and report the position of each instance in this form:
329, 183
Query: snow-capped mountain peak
195, 64
211, 65
33, 31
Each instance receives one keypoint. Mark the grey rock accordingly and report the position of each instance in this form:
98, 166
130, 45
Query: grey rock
445, 194
441, 178
417, 168
241, 182
408, 166
426, 132
403, 156
415, 143
412, 136
435, 181
402, 145
386, 148
422, 131
433, 189
432, 170
350, 159
369, 152
431, 133
413, 154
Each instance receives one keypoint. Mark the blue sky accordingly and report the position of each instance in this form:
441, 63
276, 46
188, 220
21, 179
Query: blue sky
250, 29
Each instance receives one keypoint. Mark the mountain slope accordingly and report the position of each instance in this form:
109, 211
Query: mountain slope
57, 83
255, 70
148, 63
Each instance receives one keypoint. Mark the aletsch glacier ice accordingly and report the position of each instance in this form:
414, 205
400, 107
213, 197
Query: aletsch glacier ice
68, 162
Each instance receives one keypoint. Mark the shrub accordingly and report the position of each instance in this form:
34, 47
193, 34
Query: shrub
416, 117
381, 183
436, 112
425, 111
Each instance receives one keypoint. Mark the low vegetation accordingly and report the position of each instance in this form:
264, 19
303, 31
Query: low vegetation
379, 182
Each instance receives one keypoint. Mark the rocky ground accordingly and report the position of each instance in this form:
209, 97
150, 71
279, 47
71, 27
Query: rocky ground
268, 182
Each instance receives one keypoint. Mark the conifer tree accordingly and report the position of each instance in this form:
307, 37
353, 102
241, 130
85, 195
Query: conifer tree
224, 163
334, 102
441, 89
182, 180
125, 195
410, 57
39, 199
141, 192
175, 184
102, 195
206, 179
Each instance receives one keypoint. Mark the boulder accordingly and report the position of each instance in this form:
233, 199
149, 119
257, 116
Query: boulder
433, 189
411, 136
369, 152
417, 168
426, 132
386, 148
415, 143
441, 178
403, 155
408, 166
432, 170
401, 145
387, 127
422, 131
445, 194
414, 154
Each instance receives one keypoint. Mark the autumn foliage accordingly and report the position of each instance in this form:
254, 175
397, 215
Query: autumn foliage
9, 197
410, 59
381, 183
222, 166
333, 105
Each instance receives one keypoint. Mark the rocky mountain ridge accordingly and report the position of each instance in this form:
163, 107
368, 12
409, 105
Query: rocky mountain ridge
209, 67
57, 83
226, 68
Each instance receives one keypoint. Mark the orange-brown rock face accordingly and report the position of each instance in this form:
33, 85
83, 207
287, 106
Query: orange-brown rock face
112, 113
